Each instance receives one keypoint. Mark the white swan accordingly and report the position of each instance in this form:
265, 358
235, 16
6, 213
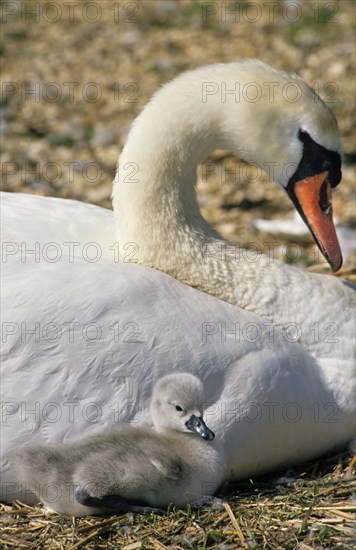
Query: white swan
279, 378
132, 468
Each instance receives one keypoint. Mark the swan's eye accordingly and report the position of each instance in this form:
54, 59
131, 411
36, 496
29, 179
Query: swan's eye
179, 408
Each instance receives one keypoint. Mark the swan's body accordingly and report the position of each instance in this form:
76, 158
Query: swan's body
134, 467
298, 355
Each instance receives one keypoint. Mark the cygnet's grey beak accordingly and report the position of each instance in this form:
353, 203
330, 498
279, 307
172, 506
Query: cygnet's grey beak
197, 424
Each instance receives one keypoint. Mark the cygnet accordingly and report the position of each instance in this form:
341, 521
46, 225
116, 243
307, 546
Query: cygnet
132, 468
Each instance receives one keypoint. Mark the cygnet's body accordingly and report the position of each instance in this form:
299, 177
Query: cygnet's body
133, 468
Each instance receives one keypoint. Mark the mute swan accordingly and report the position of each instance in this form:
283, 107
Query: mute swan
134, 467
84, 335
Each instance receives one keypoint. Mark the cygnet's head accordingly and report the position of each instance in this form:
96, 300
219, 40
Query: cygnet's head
177, 405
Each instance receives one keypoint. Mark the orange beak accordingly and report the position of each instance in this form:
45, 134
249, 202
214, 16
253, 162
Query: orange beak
312, 198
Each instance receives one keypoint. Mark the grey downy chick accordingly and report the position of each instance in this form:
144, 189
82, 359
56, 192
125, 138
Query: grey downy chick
132, 468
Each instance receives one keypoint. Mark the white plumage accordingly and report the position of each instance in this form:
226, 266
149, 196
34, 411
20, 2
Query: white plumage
279, 377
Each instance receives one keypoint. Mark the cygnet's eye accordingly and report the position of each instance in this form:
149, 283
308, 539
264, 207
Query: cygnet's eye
179, 408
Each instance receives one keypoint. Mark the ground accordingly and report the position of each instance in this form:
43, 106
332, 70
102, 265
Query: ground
312, 507
75, 74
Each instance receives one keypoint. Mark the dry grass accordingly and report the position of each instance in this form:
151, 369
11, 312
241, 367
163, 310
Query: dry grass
315, 509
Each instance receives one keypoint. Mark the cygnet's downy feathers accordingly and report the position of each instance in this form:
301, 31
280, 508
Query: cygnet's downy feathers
133, 468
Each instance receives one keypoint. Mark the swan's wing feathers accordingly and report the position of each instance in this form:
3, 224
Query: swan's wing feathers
69, 228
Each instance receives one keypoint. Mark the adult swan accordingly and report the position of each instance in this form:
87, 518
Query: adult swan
85, 337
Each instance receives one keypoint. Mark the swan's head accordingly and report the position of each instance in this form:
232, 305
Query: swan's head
288, 131
309, 188
265, 116
177, 405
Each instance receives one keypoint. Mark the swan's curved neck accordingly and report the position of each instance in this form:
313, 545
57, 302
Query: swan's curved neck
154, 190
155, 201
